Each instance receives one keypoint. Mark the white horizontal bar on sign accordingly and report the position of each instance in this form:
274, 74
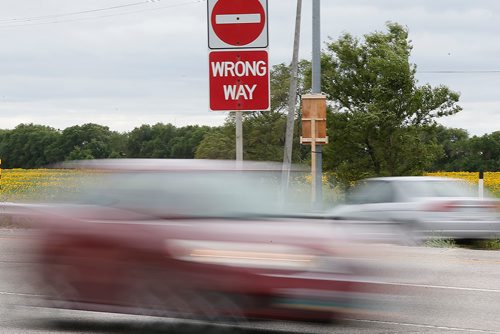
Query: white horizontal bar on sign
237, 18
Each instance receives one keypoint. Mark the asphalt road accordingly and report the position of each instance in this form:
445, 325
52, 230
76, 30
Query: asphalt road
422, 290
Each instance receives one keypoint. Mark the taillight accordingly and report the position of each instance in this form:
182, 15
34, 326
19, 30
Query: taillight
440, 207
450, 206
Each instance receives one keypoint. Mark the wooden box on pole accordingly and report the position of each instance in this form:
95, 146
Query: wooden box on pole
314, 132
314, 120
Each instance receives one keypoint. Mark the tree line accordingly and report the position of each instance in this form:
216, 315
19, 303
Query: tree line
380, 121
35, 146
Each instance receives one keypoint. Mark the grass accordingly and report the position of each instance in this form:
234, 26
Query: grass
440, 243
485, 244
489, 244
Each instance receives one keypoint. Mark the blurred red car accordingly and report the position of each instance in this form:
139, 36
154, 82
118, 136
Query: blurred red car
189, 239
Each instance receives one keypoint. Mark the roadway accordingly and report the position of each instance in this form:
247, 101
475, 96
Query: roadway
426, 290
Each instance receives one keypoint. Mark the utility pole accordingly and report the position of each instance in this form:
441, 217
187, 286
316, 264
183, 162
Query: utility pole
292, 101
316, 89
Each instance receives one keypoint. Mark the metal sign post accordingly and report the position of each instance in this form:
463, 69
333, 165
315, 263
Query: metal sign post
239, 135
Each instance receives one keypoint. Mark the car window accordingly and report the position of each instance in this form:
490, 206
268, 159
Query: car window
372, 192
189, 193
440, 188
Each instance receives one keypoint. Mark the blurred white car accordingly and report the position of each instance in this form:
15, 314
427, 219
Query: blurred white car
422, 207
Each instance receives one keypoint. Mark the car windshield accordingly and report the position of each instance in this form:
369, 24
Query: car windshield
436, 188
371, 192
187, 193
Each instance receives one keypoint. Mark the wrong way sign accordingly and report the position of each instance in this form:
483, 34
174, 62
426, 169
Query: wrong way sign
234, 24
239, 80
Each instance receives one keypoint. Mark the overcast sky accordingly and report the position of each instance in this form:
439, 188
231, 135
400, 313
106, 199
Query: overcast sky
70, 62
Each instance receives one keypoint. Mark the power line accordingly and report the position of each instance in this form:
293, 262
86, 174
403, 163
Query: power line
43, 17
460, 71
55, 16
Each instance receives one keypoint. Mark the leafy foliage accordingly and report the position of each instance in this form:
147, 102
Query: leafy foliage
88, 141
379, 115
27, 145
32, 146
463, 153
165, 141
218, 144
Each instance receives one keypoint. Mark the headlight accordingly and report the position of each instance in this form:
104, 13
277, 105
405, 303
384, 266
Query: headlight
250, 255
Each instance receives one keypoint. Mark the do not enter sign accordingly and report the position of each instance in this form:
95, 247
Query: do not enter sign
237, 24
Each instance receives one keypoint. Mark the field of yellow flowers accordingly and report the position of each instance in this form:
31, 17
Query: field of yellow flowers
491, 179
26, 184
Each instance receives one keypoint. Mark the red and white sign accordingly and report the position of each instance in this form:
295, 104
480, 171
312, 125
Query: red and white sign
239, 80
236, 24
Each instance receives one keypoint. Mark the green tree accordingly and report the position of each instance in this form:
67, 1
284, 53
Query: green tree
87, 141
118, 144
3, 141
218, 143
484, 153
26, 146
264, 136
379, 113
80, 154
454, 144
184, 145
137, 140
165, 141
151, 141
